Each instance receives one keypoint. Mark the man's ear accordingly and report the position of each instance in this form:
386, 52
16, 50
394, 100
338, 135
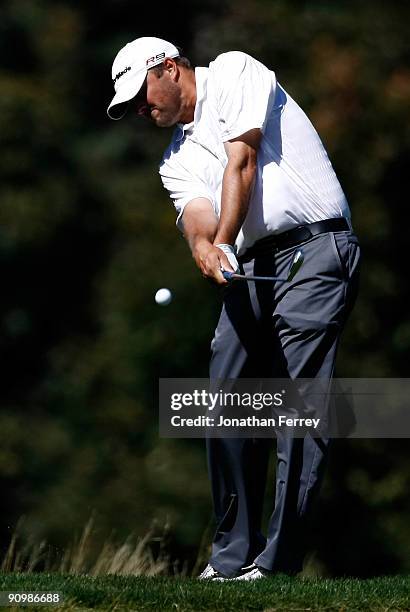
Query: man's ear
172, 68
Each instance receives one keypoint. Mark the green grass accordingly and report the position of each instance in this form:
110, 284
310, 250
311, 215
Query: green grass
180, 594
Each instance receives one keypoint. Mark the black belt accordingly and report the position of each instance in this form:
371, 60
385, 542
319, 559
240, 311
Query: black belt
295, 236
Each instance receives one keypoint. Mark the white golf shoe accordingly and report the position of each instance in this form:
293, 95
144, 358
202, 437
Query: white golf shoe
253, 573
210, 573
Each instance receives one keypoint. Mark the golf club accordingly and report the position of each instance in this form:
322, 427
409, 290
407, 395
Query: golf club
293, 269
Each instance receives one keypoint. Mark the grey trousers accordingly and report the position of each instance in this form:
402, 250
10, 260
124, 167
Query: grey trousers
290, 330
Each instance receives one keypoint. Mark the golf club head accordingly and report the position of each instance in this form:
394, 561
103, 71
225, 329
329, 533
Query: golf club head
296, 264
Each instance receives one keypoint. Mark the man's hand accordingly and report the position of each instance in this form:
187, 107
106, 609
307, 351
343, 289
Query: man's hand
230, 253
210, 259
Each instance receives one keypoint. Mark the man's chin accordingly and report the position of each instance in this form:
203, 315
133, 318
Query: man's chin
161, 121
164, 124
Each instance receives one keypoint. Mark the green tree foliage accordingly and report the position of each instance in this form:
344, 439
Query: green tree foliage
87, 236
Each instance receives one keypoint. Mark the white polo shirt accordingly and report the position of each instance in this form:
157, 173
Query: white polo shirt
295, 182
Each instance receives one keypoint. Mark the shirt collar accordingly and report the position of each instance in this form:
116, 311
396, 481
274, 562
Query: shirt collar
201, 76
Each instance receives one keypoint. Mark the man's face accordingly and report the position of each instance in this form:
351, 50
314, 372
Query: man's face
159, 99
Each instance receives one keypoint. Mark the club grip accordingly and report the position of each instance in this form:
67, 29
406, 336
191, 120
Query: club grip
227, 275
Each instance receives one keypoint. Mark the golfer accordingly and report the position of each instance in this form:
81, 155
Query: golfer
251, 183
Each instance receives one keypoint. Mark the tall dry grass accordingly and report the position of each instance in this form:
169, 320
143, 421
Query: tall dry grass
134, 556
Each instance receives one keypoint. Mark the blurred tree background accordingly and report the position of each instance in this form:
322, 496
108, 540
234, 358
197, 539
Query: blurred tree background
87, 236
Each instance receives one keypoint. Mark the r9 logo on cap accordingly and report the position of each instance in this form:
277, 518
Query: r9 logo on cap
155, 58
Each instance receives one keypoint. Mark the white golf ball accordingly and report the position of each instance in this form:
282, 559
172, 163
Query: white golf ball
163, 297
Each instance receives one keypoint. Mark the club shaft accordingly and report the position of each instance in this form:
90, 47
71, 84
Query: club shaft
295, 266
258, 278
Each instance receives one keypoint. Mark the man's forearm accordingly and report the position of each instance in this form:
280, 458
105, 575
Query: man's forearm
200, 228
200, 224
196, 239
236, 188
237, 184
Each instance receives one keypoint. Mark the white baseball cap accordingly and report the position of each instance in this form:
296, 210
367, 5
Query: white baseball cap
130, 68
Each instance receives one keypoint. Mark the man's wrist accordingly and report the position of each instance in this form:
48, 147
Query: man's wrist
199, 248
224, 238
199, 244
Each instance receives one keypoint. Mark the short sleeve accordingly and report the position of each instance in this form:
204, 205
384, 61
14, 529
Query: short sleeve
183, 186
244, 92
